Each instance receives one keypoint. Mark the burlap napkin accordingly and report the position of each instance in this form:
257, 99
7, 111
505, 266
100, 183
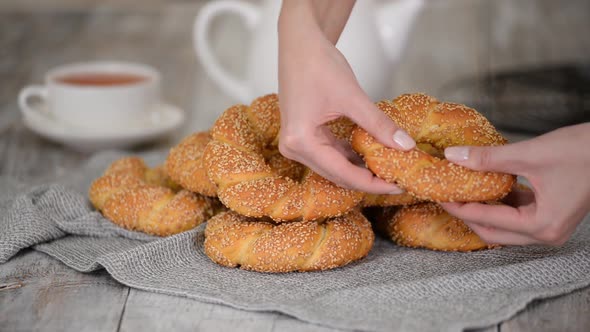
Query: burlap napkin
393, 288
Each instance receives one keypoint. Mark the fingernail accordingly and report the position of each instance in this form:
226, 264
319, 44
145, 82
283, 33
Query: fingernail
457, 153
401, 138
396, 191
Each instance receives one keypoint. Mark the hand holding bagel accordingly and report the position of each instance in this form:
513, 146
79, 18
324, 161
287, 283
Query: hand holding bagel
556, 164
316, 86
423, 171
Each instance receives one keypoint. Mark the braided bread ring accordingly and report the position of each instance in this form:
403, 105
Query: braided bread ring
428, 226
252, 244
434, 126
138, 198
342, 129
184, 165
236, 163
388, 200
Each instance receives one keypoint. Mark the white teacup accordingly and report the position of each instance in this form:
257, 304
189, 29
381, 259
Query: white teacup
95, 95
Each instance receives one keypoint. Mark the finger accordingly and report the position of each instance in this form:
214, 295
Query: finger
511, 158
492, 235
346, 150
497, 216
332, 165
379, 125
341, 145
321, 151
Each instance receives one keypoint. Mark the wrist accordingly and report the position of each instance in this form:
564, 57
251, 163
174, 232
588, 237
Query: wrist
327, 17
296, 15
298, 28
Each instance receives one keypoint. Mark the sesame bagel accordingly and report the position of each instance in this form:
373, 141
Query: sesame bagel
138, 198
261, 245
427, 226
388, 200
184, 164
423, 171
244, 138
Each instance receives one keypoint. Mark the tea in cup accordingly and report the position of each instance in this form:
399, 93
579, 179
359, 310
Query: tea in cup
96, 95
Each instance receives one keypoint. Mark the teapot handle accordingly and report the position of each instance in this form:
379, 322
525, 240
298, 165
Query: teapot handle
229, 83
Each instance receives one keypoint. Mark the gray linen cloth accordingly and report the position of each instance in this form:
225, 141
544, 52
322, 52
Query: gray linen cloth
394, 288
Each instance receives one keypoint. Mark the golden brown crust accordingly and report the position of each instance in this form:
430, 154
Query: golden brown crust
254, 244
284, 166
341, 128
139, 198
428, 226
438, 125
388, 200
185, 164
237, 162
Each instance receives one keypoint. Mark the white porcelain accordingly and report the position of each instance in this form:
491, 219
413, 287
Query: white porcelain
95, 107
161, 120
372, 42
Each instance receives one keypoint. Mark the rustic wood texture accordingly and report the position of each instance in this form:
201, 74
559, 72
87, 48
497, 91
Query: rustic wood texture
451, 39
41, 294
156, 312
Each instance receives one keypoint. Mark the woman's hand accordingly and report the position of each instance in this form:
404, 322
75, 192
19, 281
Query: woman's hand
557, 165
317, 85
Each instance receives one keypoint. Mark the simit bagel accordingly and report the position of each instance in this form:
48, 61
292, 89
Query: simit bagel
236, 159
423, 171
139, 198
261, 245
427, 225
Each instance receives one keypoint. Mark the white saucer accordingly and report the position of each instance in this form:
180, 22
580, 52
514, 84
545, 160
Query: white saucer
159, 122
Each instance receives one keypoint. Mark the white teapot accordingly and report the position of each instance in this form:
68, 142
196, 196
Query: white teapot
372, 41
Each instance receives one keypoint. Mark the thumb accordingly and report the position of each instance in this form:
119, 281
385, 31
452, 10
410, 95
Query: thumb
368, 116
508, 158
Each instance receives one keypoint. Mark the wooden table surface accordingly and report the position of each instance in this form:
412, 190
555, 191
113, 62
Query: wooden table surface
40, 293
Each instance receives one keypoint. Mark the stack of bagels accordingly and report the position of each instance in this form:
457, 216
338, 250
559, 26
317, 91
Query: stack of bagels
267, 213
